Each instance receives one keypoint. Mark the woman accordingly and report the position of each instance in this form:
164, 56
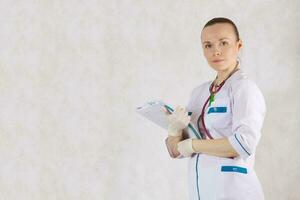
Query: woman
229, 113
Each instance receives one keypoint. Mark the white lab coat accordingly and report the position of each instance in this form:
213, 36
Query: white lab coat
240, 120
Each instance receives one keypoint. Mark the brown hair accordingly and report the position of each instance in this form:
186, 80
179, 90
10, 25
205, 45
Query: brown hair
223, 20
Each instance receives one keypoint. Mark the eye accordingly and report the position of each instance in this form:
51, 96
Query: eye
207, 46
224, 43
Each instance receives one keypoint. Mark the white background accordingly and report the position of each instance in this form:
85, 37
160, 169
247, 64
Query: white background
72, 73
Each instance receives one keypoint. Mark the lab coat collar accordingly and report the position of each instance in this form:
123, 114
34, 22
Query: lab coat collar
240, 74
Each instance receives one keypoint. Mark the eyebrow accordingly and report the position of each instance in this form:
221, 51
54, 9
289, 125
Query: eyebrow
219, 39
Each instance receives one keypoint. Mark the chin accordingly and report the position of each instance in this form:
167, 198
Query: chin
219, 67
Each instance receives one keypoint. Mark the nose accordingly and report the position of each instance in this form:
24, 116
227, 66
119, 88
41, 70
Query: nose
216, 52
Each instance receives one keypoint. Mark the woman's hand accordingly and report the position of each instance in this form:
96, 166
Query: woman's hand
185, 147
178, 120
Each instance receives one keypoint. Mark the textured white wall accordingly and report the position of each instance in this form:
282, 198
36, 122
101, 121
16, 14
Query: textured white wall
72, 73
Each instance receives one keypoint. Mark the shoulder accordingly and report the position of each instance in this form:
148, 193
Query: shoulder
202, 87
245, 91
200, 90
197, 94
242, 83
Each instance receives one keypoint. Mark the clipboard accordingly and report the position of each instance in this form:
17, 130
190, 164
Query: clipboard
155, 112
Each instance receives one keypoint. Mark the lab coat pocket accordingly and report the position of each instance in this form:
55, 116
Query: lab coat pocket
235, 182
218, 114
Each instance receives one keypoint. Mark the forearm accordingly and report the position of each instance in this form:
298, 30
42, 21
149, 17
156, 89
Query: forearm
171, 143
215, 147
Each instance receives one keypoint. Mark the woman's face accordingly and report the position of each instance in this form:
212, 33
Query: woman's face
220, 46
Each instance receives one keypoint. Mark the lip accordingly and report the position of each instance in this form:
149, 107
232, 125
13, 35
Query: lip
219, 60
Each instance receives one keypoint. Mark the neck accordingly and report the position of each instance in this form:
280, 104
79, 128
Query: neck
222, 75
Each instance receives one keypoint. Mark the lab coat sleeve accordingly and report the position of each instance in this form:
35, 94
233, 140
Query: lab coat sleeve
248, 112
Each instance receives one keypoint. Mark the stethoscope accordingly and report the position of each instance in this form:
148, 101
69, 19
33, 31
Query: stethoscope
210, 99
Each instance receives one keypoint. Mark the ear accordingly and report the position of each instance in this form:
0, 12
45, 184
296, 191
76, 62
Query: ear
240, 43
